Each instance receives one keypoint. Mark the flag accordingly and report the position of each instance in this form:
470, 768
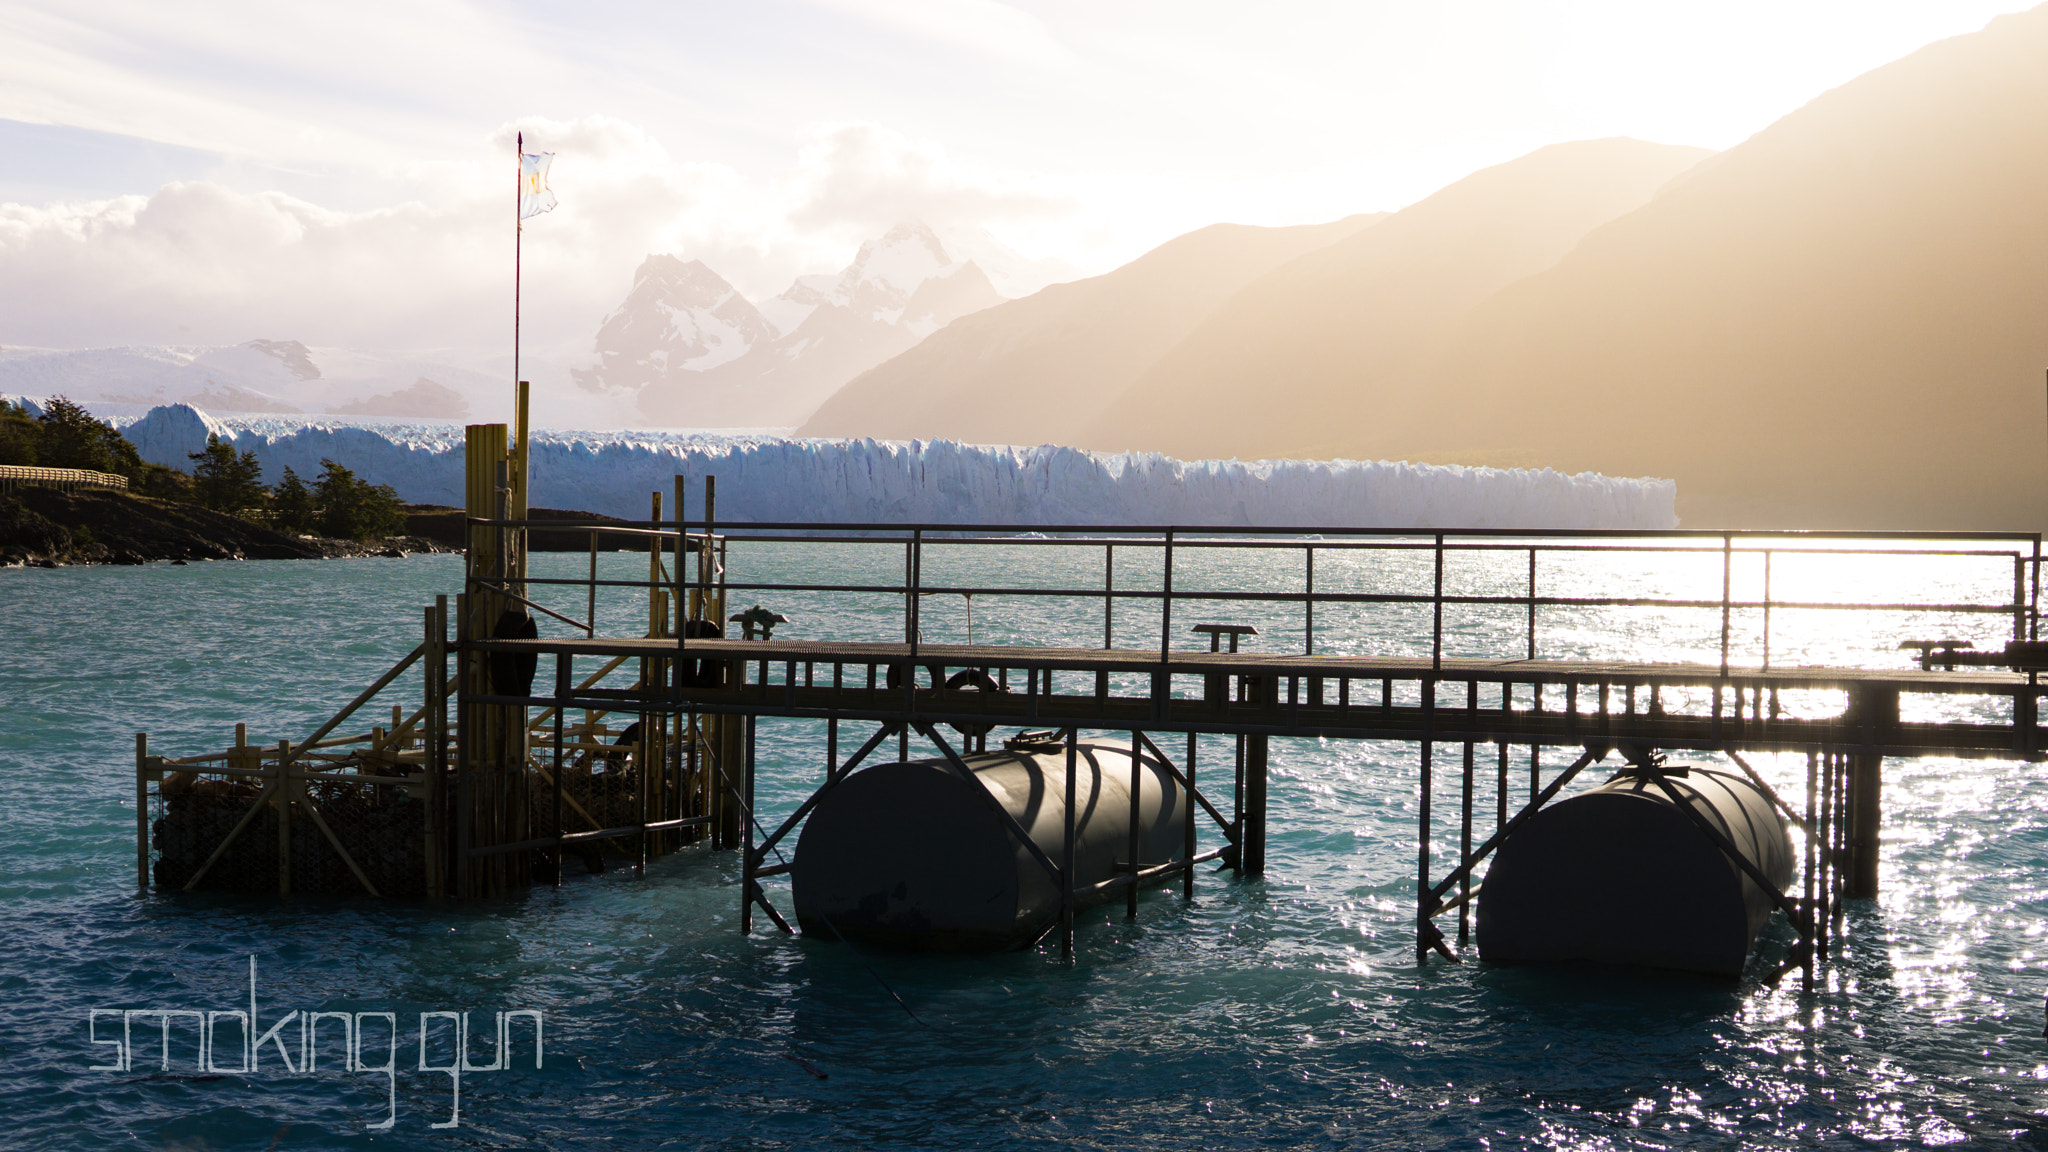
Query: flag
534, 197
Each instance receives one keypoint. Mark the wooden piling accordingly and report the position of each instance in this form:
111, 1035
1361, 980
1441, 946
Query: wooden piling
1252, 845
1875, 713
142, 811
1187, 821
285, 790
435, 677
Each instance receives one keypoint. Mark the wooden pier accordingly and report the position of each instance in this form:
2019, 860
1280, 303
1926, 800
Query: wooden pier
534, 748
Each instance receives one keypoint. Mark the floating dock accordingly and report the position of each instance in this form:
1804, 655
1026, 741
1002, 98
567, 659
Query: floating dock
522, 752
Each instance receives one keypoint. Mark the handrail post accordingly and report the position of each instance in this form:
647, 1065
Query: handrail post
1727, 560
1436, 645
1308, 626
1108, 596
1166, 602
1767, 609
2034, 594
2019, 596
1532, 604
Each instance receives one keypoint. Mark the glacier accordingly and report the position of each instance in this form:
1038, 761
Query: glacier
767, 478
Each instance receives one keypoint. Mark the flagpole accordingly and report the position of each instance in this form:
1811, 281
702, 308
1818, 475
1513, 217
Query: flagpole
518, 242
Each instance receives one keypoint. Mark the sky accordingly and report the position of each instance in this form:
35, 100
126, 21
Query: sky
206, 173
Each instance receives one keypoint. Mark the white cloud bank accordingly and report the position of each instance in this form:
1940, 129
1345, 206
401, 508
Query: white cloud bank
196, 262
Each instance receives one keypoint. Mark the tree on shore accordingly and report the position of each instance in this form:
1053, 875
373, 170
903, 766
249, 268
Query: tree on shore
339, 503
18, 435
355, 509
292, 506
67, 436
227, 481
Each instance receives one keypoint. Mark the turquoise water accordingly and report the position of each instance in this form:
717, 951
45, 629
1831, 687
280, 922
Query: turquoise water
1279, 1012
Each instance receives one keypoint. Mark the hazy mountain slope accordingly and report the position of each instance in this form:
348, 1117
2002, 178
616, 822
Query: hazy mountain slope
679, 317
697, 353
1297, 360
1841, 322
1033, 370
275, 376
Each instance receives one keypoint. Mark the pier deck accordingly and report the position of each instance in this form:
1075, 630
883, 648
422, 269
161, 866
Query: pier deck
1513, 701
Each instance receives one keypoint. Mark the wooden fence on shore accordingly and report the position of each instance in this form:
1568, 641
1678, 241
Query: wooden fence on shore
16, 475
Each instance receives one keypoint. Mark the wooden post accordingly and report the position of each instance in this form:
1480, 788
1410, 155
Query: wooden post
1187, 820
1464, 854
1422, 828
467, 725
730, 737
674, 723
434, 677
516, 492
284, 814
562, 682
1875, 712
142, 811
1254, 845
1808, 850
654, 570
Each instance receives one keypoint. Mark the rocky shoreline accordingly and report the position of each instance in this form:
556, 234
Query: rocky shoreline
49, 528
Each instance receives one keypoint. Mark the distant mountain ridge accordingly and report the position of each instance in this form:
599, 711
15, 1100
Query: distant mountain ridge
1202, 342
696, 352
1034, 370
281, 377
1841, 322
1326, 342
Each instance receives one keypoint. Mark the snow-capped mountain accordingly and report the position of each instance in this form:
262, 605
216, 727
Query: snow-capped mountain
696, 353
679, 317
257, 377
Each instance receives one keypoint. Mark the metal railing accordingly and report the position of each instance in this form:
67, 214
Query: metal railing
2017, 552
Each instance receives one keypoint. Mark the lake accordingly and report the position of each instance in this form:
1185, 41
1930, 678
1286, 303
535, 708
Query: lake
1281, 1011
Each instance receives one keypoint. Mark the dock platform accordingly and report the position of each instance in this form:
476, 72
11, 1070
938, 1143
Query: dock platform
532, 749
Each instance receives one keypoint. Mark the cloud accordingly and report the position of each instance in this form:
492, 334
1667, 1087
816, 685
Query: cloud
869, 176
196, 262
982, 26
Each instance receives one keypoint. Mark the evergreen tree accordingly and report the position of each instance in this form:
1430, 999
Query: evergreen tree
292, 508
67, 436
18, 434
224, 480
355, 509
